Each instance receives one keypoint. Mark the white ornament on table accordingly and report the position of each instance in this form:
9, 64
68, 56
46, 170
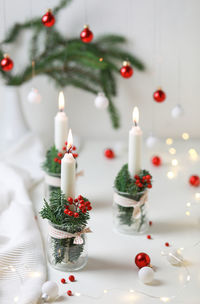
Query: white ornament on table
49, 290
101, 101
175, 257
151, 141
146, 275
34, 96
177, 111
135, 142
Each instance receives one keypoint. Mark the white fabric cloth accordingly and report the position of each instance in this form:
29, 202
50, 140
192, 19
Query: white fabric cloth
22, 263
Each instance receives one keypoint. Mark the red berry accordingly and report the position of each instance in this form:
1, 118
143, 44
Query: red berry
66, 143
109, 153
63, 281
167, 244
156, 161
136, 176
69, 292
149, 186
76, 214
148, 176
83, 210
64, 148
56, 159
66, 211
75, 201
89, 208
140, 185
82, 201
87, 204
80, 197
73, 148
194, 180
149, 237
60, 154
75, 155
150, 223
59, 161
70, 213
70, 199
71, 278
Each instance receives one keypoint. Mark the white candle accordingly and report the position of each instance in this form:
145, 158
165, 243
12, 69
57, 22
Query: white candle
135, 140
68, 169
60, 124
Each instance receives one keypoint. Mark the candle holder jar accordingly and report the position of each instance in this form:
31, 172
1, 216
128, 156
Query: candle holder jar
66, 252
52, 183
130, 212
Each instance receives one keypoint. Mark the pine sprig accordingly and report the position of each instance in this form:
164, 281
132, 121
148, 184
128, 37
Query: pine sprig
70, 62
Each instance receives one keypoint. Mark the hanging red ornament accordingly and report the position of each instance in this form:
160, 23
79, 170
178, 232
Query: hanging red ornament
159, 95
48, 19
156, 161
86, 35
6, 63
194, 180
142, 260
126, 70
109, 153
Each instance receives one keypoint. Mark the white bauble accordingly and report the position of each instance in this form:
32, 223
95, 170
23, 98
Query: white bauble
51, 289
151, 141
177, 111
174, 257
146, 275
101, 101
34, 96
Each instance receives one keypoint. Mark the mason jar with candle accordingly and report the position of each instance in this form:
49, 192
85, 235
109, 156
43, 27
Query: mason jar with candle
131, 187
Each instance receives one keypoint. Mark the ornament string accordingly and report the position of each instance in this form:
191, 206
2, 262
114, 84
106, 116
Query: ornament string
85, 12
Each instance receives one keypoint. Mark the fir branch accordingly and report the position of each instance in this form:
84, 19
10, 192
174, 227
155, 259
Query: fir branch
111, 39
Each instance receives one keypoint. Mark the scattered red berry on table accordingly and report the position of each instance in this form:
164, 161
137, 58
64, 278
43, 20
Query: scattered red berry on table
126, 70
86, 35
63, 281
149, 237
69, 292
109, 153
159, 96
71, 278
194, 180
167, 244
156, 161
142, 260
48, 19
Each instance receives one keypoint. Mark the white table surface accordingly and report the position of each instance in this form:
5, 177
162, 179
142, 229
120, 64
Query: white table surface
111, 266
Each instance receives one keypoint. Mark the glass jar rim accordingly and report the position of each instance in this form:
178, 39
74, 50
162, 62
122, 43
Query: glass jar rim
126, 193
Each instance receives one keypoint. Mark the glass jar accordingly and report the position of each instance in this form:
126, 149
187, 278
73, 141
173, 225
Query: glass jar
130, 212
52, 183
66, 255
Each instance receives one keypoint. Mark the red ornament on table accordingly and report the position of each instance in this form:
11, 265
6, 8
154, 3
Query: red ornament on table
109, 153
7, 63
71, 278
149, 237
194, 180
48, 19
156, 161
142, 260
69, 292
86, 35
159, 95
126, 70
63, 281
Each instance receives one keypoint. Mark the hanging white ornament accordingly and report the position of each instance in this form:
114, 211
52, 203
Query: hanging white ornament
49, 290
177, 111
175, 257
34, 96
146, 275
151, 141
101, 101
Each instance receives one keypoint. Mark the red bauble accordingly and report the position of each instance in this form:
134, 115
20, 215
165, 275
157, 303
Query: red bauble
159, 95
194, 181
109, 153
156, 161
126, 70
48, 19
142, 260
6, 63
86, 35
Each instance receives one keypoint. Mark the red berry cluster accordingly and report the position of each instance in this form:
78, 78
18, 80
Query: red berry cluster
79, 204
60, 154
144, 181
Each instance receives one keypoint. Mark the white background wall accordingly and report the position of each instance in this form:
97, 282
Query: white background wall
156, 33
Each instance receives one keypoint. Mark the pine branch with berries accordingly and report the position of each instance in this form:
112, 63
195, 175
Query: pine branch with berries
132, 188
87, 65
69, 215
